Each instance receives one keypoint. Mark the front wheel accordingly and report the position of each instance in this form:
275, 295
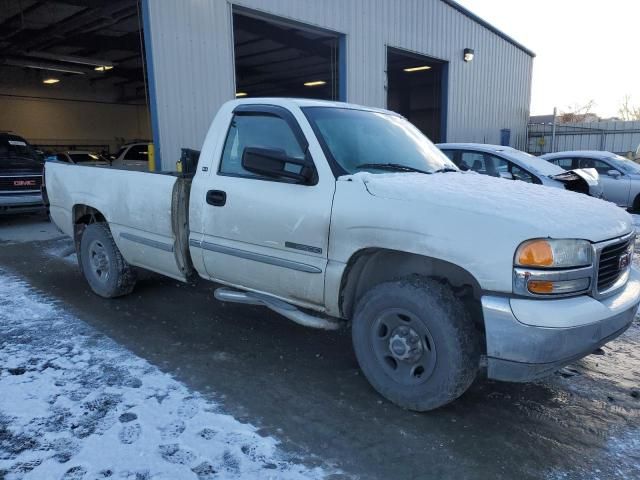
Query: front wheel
415, 343
103, 266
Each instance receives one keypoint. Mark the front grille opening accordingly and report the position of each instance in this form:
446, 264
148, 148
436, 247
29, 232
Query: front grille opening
609, 270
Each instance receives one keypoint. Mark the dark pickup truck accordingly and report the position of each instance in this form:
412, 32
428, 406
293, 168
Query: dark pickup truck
20, 176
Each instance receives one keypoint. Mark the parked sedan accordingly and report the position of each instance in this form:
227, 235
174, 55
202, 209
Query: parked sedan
512, 164
82, 157
134, 156
620, 178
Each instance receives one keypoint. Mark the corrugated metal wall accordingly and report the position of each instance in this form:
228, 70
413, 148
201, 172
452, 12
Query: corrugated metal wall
192, 53
611, 136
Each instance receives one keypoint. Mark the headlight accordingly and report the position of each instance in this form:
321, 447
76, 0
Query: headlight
545, 267
548, 253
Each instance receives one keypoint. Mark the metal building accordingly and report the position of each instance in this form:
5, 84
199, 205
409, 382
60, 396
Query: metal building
450, 72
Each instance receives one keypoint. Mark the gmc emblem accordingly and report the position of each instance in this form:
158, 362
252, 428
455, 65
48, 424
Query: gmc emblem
24, 183
624, 261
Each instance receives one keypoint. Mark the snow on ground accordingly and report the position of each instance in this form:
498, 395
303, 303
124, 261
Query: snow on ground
636, 222
74, 405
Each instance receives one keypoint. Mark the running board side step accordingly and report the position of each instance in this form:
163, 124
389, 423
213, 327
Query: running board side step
283, 308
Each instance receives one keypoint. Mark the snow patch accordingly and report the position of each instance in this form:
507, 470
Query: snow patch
75, 405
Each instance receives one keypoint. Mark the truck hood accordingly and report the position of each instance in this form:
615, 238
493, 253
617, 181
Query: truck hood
545, 211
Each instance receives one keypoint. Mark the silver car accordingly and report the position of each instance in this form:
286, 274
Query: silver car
512, 164
620, 177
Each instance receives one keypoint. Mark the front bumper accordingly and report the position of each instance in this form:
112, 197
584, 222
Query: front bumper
529, 339
20, 203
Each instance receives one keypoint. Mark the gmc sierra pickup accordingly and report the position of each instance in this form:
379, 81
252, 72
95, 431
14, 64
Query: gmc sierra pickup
334, 214
20, 176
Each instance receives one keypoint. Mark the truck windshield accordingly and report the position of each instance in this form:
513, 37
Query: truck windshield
364, 140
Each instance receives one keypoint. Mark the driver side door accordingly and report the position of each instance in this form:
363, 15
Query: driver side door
263, 233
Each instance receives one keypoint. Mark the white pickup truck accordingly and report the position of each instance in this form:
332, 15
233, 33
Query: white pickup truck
334, 214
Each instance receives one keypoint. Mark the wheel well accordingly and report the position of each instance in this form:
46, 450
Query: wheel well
370, 267
84, 215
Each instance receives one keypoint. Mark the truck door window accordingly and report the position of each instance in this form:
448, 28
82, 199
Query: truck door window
265, 131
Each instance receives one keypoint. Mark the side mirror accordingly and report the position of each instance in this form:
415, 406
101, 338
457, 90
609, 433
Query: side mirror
507, 175
272, 162
614, 174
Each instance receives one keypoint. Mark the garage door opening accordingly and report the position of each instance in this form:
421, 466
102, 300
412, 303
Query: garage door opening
72, 74
274, 58
415, 85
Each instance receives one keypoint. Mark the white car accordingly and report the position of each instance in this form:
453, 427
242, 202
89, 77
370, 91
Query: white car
336, 215
512, 164
133, 156
82, 157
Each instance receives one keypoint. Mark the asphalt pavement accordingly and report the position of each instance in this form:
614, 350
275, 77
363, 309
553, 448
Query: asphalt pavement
304, 387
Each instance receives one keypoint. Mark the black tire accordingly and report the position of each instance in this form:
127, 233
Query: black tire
635, 208
448, 349
102, 264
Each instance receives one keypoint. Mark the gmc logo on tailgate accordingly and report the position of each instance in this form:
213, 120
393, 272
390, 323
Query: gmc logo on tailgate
24, 183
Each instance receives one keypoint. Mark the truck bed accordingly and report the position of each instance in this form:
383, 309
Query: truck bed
147, 212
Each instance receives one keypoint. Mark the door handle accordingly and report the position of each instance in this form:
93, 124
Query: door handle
217, 198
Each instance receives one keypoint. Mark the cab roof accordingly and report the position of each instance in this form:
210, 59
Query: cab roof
306, 102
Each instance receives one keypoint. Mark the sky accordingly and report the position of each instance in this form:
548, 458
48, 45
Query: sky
585, 49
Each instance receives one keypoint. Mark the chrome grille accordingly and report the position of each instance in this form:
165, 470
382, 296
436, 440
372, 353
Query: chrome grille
609, 267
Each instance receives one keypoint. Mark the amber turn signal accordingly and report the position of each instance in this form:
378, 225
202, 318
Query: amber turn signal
536, 253
540, 286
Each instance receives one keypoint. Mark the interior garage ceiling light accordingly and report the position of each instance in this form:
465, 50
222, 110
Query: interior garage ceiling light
241, 94
315, 83
103, 68
50, 81
417, 69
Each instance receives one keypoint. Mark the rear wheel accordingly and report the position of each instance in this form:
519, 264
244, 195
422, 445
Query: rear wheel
102, 264
415, 343
635, 208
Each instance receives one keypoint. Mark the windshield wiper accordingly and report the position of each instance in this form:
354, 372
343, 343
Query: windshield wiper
398, 167
445, 170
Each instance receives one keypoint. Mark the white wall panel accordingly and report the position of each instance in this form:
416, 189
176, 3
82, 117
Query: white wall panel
192, 51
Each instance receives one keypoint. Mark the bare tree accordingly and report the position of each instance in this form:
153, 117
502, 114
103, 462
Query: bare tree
578, 113
627, 110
